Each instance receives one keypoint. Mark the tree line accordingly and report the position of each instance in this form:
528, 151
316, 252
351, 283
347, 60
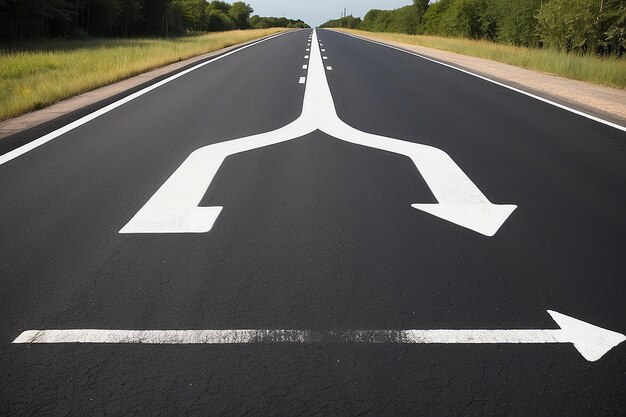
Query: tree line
584, 26
32, 19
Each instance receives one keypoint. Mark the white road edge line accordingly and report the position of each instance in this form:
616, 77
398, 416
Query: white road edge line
71, 126
302, 80
591, 341
517, 90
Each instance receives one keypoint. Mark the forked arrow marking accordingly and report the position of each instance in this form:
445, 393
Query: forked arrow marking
591, 341
174, 207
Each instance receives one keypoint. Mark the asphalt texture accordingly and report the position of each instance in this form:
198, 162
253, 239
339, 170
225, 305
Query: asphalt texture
318, 234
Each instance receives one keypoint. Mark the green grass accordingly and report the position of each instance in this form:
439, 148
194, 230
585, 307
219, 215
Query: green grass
598, 70
36, 75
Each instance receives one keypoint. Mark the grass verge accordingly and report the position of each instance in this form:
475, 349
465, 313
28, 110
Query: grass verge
598, 70
40, 74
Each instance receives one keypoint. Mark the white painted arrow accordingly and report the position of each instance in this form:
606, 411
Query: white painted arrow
591, 341
174, 207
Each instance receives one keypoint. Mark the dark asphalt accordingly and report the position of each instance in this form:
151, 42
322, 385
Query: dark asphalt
316, 234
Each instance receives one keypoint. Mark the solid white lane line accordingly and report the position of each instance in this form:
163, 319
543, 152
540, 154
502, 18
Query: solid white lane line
71, 126
305, 66
302, 80
591, 341
517, 90
329, 68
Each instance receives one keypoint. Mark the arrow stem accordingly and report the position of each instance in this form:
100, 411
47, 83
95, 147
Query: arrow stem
487, 336
243, 336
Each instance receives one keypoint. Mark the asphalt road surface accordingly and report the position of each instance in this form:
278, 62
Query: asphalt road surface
316, 256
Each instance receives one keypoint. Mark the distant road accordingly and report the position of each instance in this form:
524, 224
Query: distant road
319, 226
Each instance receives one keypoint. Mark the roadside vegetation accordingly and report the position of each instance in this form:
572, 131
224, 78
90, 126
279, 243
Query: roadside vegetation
55, 70
75, 19
579, 39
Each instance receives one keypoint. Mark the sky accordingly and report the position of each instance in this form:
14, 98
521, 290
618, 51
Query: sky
316, 12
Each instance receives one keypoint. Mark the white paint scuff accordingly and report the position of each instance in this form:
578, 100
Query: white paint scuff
174, 207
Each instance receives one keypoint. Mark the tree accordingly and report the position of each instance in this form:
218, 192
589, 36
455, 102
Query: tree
240, 14
432, 20
258, 22
194, 13
612, 26
569, 25
511, 21
406, 19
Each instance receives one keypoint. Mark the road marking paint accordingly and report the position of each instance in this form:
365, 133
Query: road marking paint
302, 80
324, 57
306, 57
517, 90
174, 207
91, 116
329, 68
592, 342
323, 50
305, 66
308, 50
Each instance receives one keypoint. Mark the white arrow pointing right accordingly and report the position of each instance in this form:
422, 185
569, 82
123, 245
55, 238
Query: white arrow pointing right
591, 341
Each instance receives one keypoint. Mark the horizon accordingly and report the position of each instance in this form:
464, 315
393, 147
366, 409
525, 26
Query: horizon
323, 10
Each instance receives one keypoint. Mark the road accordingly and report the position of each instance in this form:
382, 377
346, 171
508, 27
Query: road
393, 194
